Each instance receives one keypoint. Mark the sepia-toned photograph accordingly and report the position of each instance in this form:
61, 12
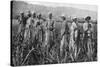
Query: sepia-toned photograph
52, 33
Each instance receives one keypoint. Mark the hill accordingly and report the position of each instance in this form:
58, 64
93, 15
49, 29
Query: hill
20, 6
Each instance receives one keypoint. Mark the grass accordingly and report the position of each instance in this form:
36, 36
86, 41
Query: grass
34, 52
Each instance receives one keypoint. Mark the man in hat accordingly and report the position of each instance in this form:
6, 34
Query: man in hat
22, 19
21, 30
64, 35
86, 23
49, 33
87, 27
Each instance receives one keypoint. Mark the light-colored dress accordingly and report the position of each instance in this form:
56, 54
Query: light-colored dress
62, 35
72, 28
27, 30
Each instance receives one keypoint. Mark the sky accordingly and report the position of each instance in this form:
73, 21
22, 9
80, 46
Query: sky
52, 4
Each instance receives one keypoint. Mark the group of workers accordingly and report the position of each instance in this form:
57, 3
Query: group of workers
41, 30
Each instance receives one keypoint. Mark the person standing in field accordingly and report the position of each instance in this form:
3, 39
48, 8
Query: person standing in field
27, 27
49, 34
64, 33
39, 28
73, 34
87, 27
22, 21
21, 32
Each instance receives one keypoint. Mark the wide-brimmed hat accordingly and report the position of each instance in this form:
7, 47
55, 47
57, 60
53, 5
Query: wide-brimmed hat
22, 13
63, 17
88, 18
75, 19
